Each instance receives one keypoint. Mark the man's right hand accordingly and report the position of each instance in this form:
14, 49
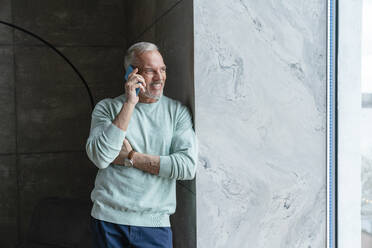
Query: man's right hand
131, 99
132, 84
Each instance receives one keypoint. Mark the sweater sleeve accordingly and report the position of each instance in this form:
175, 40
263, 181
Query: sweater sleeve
181, 163
105, 139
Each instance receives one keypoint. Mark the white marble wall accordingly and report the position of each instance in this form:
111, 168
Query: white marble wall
260, 105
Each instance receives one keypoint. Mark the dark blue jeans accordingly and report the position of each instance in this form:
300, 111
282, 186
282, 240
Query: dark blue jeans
110, 235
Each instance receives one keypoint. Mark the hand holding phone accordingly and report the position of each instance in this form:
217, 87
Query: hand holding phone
129, 71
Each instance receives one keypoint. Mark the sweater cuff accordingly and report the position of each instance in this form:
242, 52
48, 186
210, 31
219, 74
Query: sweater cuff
165, 166
115, 135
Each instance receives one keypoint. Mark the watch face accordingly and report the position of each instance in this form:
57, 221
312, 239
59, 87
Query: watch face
128, 163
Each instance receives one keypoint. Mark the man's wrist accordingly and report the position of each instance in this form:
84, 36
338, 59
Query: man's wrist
128, 160
123, 118
131, 154
135, 158
129, 104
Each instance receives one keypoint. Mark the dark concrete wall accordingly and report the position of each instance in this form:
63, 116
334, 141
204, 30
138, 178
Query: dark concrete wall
169, 24
44, 107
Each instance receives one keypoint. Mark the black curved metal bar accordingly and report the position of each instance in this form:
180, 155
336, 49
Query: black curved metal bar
59, 53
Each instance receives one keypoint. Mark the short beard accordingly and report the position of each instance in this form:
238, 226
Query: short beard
149, 95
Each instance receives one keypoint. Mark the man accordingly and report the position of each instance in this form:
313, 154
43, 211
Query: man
141, 145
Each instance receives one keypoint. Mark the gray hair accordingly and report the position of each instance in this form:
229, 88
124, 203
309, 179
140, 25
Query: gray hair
135, 50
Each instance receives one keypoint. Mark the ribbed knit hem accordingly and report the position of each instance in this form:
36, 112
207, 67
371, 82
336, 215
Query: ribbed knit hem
130, 218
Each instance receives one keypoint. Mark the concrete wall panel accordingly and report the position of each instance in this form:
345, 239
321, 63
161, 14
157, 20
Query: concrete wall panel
8, 201
66, 175
142, 15
6, 33
71, 23
102, 68
184, 220
53, 107
7, 107
53, 104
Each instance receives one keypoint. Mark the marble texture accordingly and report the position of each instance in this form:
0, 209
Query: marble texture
260, 106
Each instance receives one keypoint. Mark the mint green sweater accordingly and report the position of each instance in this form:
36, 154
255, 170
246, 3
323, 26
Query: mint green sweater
127, 195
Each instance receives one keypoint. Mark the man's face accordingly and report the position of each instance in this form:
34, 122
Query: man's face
153, 70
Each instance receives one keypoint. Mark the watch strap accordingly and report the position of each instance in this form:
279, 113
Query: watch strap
131, 154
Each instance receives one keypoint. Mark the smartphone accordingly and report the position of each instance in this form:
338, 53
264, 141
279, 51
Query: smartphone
129, 71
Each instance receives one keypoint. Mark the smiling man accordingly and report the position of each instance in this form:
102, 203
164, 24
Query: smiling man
141, 145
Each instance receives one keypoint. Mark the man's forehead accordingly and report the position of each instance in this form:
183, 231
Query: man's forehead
151, 58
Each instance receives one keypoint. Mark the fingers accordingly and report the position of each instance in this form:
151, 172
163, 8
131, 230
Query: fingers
137, 78
133, 72
133, 82
127, 145
133, 87
133, 79
140, 85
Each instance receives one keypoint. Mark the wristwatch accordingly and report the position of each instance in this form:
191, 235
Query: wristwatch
128, 162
